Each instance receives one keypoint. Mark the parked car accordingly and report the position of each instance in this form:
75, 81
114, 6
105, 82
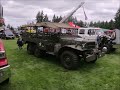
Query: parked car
8, 34
4, 66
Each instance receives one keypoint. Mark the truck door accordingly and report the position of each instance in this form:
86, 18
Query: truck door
90, 35
81, 33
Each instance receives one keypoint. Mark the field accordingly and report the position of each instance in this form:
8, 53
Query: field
31, 73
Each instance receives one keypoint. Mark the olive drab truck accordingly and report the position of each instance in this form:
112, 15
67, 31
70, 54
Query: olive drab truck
61, 40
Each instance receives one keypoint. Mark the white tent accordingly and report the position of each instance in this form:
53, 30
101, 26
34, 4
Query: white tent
117, 40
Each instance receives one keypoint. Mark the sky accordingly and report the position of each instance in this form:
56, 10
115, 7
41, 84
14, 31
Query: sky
19, 12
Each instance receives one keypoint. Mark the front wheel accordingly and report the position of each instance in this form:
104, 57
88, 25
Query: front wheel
108, 49
69, 60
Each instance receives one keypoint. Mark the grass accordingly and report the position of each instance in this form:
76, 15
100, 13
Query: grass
31, 73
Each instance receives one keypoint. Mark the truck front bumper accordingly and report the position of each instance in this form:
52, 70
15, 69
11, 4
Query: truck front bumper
90, 58
4, 73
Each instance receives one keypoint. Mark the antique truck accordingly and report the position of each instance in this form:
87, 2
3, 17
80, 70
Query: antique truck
61, 40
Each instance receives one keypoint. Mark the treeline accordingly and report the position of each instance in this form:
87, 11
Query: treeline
112, 24
103, 24
41, 17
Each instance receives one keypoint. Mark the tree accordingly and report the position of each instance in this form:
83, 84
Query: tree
40, 17
91, 24
117, 19
54, 18
45, 19
8, 26
111, 24
80, 23
60, 18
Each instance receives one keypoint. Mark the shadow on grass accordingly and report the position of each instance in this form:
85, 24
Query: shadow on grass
54, 60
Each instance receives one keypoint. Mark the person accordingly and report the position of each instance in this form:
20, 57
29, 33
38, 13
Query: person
20, 42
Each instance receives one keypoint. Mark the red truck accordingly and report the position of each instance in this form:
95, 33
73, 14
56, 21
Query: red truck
4, 66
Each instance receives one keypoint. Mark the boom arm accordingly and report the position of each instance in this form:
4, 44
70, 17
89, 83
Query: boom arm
70, 14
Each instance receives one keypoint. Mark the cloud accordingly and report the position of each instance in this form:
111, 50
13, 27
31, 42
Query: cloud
18, 12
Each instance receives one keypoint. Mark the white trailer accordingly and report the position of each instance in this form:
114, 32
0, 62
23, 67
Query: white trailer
117, 40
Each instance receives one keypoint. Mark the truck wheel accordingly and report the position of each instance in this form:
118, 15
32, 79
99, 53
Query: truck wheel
69, 60
37, 52
30, 49
108, 49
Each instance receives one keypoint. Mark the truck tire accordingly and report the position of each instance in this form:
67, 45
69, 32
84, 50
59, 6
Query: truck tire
30, 48
108, 49
69, 60
39, 53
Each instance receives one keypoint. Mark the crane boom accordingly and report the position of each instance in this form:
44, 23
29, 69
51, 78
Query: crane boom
70, 14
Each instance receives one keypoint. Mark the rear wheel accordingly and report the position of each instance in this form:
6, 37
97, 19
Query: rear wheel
39, 53
30, 48
69, 60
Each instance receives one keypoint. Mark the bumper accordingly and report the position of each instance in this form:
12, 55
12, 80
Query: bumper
90, 58
94, 56
4, 73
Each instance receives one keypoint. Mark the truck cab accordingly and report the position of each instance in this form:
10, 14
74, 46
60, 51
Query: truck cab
88, 33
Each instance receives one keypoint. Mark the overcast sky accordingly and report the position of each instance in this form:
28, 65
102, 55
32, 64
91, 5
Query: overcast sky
18, 12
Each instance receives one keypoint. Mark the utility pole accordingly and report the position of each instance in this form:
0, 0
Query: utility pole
1, 15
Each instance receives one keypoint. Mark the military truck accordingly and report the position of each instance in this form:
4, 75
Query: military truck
61, 40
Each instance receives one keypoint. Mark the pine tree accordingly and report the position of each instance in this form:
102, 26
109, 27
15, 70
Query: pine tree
40, 17
117, 19
111, 24
80, 23
91, 24
54, 18
45, 19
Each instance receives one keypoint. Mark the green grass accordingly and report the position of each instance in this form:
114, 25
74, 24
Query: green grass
31, 73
